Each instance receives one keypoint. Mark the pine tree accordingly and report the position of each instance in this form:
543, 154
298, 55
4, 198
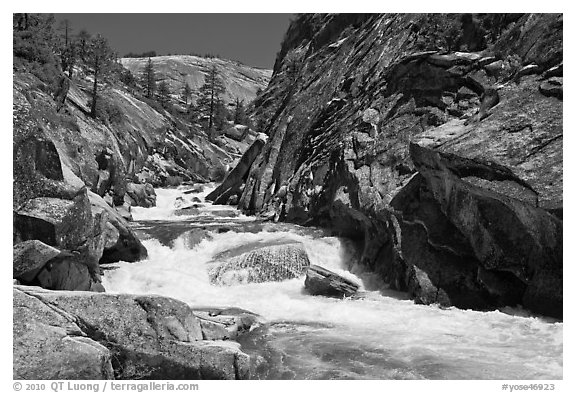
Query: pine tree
193, 112
34, 38
127, 78
163, 93
149, 79
82, 41
220, 115
67, 48
240, 112
99, 59
209, 95
186, 93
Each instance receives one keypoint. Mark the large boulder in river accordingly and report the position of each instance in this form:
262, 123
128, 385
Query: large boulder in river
321, 281
140, 195
264, 263
83, 335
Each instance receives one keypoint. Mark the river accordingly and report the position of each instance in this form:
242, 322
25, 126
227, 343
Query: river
382, 335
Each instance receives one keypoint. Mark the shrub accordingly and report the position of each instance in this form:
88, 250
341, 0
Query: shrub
108, 111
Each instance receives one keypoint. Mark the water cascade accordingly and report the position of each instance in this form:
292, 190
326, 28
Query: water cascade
380, 334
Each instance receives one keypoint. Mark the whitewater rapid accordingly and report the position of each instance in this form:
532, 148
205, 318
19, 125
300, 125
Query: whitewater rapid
382, 335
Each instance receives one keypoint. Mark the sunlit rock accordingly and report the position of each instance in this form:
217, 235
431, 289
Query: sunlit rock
268, 263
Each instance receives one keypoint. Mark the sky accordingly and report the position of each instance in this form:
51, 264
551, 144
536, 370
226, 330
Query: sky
253, 39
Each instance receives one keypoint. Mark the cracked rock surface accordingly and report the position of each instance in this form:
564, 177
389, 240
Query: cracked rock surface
85, 335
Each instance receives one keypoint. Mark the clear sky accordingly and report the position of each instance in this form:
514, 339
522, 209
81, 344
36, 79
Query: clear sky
253, 39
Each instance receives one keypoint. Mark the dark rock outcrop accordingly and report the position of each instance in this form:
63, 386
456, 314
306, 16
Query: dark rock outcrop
80, 335
235, 179
29, 257
121, 242
338, 153
66, 225
321, 281
86, 225
470, 245
260, 264
552, 87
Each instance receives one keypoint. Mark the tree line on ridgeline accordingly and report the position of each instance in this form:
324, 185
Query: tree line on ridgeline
209, 108
55, 54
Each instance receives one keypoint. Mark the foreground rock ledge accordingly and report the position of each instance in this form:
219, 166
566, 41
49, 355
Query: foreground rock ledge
85, 335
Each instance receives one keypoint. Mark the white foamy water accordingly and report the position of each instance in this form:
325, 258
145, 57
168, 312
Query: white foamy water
170, 200
399, 339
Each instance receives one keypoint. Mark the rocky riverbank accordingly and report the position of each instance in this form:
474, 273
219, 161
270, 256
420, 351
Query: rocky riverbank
83, 335
78, 174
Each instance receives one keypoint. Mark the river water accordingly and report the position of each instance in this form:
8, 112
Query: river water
382, 335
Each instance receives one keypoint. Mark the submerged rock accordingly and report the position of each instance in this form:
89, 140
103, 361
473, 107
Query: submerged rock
81, 335
187, 211
269, 263
321, 281
195, 189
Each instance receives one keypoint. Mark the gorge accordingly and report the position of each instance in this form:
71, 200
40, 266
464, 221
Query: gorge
412, 161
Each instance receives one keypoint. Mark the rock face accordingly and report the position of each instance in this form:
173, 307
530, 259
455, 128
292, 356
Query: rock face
50, 345
269, 263
321, 281
67, 335
474, 245
351, 94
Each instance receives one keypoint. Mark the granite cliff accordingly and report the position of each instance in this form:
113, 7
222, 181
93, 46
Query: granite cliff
434, 141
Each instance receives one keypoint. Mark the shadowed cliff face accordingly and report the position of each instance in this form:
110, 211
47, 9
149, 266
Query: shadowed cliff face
348, 96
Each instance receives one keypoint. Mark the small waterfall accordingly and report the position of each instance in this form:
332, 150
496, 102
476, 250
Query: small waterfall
382, 335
